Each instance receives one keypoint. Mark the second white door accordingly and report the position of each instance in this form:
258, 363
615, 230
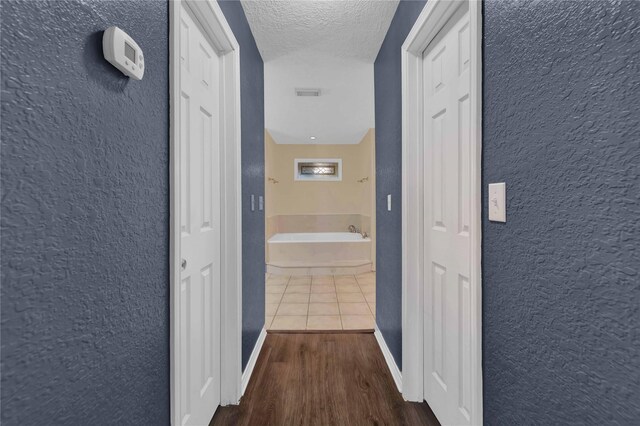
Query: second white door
447, 206
198, 302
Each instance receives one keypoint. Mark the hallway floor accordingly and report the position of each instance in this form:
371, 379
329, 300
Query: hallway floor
327, 302
322, 379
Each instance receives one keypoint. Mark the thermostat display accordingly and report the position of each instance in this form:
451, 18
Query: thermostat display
123, 53
129, 52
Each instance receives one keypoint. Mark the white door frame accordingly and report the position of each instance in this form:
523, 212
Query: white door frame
429, 23
218, 31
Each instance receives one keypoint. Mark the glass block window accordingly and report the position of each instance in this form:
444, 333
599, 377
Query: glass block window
318, 169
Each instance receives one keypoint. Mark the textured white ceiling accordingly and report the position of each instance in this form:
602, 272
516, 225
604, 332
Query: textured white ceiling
351, 29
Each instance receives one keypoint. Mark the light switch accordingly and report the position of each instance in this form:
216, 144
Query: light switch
388, 202
498, 202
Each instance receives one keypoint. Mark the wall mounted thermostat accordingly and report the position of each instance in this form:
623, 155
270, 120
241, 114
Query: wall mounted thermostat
497, 202
123, 53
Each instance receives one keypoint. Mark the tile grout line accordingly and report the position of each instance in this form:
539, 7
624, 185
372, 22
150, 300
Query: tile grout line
365, 299
280, 301
335, 289
339, 309
266, 283
363, 296
285, 292
309, 303
367, 302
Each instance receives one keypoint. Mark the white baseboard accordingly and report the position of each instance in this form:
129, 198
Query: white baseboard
246, 374
391, 363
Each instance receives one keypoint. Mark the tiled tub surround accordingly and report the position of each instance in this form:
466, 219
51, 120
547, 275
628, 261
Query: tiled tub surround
328, 302
316, 223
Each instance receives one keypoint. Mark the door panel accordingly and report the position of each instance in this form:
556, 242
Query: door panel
447, 183
199, 359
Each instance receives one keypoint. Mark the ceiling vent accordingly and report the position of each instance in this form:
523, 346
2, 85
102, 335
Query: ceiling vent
307, 92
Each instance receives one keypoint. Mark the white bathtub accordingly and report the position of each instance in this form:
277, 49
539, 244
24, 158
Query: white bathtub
318, 250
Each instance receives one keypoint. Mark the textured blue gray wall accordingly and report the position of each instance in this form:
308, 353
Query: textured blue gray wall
252, 94
561, 282
85, 217
388, 104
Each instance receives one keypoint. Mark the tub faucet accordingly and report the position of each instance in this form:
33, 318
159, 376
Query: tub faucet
353, 229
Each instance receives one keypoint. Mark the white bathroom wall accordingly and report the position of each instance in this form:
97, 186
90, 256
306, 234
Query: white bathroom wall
342, 114
345, 197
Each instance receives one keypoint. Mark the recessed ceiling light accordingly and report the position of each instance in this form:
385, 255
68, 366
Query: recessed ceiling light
313, 138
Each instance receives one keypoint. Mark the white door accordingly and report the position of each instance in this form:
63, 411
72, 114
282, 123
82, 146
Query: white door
199, 248
447, 226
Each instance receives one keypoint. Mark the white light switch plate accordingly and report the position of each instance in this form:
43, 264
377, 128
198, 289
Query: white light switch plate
498, 202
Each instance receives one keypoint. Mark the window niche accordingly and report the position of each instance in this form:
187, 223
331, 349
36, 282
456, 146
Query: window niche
318, 169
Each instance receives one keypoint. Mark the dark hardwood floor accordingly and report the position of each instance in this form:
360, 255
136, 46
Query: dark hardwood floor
322, 379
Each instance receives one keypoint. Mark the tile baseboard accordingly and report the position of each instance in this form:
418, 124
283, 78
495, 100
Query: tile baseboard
319, 270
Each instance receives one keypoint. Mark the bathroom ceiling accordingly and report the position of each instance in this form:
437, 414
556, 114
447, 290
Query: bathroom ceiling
328, 45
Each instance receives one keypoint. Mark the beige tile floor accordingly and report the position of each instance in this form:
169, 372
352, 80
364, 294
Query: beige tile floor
328, 302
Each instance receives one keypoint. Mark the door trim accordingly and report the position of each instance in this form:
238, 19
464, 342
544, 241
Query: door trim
432, 19
218, 31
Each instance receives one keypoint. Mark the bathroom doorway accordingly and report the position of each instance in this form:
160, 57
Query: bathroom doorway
320, 233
